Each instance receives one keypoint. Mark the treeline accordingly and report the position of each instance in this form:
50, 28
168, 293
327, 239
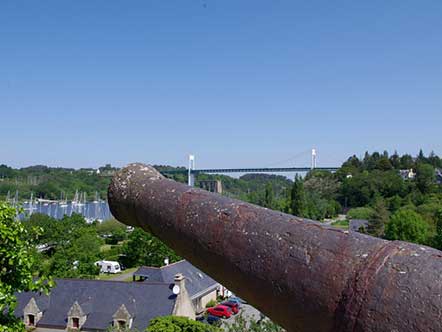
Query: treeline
69, 248
399, 196
52, 182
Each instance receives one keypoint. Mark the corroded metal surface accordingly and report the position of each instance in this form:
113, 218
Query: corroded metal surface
303, 275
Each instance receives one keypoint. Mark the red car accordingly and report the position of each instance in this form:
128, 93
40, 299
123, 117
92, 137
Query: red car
220, 311
233, 305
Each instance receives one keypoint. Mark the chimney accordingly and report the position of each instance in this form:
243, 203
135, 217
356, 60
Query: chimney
183, 304
179, 280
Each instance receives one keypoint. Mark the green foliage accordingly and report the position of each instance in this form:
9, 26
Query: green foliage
211, 303
178, 324
144, 249
113, 231
240, 324
269, 196
437, 241
407, 226
50, 182
376, 223
341, 224
360, 213
75, 245
425, 177
17, 267
298, 201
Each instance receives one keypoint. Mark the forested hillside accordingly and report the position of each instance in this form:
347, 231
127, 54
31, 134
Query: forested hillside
378, 187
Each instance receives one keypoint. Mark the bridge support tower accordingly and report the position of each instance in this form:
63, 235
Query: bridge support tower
191, 175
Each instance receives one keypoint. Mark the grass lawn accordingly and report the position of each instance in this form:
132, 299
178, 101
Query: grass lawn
110, 276
343, 224
105, 247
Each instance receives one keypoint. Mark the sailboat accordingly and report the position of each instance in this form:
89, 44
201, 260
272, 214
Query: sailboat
63, 202
30, 204
15, 199
97, 198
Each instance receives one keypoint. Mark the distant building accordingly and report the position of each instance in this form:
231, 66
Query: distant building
407, 174
96, 305
214, 186
438, 176
358, 225
200, 286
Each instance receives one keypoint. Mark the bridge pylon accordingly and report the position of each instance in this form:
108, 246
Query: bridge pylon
313, 165
191, 175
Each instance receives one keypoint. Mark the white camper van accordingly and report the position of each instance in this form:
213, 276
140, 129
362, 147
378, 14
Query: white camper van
108, 266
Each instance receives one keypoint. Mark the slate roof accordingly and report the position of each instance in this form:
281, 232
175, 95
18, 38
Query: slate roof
100, 299
356, 224
196, 281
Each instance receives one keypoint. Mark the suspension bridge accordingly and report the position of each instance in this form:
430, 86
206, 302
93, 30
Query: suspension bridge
192, 172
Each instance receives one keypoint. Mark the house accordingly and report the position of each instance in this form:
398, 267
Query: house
438, 176
97, 305
200, 286
407, 174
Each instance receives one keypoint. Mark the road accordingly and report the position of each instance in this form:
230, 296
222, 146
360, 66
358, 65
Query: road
127, 274
248, 313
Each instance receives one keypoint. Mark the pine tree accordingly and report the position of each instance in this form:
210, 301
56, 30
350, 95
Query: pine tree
376, 223
298, 200
269, 196
438, 238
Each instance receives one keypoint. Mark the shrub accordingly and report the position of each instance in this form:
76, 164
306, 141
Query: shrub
211, 303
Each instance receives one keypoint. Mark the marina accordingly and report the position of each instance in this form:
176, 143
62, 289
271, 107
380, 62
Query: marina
94, 210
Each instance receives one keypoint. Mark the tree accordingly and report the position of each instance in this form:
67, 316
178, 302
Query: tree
75, 243
378, 220
384, 164
144, 249
437, 242
425, 177
269, 196
240, 324
360, 213
112, 230
298, 200
17, 268
178, 324
406, 225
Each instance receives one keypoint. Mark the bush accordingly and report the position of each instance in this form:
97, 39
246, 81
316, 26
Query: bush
178, 324
407, 225
360, 213
211, 303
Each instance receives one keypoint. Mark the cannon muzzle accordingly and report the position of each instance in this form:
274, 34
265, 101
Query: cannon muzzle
302, 274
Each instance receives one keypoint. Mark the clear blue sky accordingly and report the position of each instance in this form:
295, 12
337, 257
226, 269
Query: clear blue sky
237, 83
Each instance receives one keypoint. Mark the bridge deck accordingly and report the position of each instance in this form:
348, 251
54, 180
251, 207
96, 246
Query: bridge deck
252, 170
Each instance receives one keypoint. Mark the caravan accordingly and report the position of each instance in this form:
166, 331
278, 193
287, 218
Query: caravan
108, 266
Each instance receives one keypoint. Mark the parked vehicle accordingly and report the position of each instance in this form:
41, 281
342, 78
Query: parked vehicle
237, 300
108, 266
233, 305
213, 320
220, 311
210, 319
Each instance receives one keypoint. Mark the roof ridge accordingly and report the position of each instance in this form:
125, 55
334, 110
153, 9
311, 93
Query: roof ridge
183, 260
112, 281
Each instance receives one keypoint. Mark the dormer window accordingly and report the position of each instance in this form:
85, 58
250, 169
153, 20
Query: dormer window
32, 313
76, 317
75, 322
31, 320
122, 319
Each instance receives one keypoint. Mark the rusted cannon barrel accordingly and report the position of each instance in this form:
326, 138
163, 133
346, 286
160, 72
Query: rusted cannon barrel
303, 275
